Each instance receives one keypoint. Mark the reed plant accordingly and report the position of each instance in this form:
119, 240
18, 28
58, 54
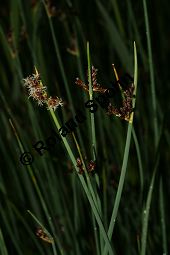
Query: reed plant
82, 172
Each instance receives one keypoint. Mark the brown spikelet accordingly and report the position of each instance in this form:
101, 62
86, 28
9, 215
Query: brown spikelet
42, 235
95, 85
81, 84
91, 166
125, 111
80, 166
53, 103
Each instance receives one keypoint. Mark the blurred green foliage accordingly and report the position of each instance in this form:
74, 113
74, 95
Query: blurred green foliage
56, 45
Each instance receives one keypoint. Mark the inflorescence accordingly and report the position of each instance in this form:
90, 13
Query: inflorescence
123, 112
95, 85
38, 92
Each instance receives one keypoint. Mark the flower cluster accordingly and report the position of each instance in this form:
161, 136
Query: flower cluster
54, 102
35, 88
37, 91
95, 85
41, 233
125, 111
126, 87
91, 166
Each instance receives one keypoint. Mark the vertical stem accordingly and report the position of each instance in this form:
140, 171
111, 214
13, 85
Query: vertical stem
125, 158
88, 194
163, 225
152, 79
94, 146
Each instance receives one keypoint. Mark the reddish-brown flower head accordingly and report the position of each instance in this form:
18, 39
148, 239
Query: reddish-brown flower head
53, 103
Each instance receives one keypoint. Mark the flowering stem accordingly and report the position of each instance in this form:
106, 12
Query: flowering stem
88, 194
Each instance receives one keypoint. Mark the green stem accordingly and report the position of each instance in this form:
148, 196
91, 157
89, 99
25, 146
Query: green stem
163, 225
91, 201
150, 58
125, 158
93, 134
146, 214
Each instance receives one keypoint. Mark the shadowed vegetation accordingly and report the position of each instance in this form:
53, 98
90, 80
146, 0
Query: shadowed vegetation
103, 188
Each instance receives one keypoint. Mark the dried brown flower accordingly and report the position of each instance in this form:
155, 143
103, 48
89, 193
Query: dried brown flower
126, 88
91, 166
80, 166
125, 111
42, 234
81, 84
95, 85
